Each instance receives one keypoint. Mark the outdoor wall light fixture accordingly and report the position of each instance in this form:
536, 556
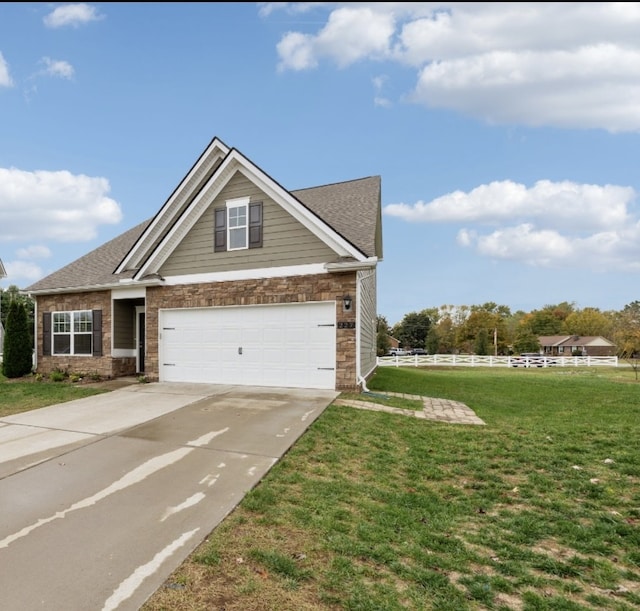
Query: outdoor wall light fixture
346, 302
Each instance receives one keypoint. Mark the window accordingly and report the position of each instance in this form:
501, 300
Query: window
72, 332
238, 225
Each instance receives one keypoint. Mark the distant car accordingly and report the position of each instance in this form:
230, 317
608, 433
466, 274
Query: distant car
532, 359
419, 351
398, 352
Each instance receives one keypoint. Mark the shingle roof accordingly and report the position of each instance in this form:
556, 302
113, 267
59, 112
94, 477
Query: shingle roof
350, 208
572, 340
94, 269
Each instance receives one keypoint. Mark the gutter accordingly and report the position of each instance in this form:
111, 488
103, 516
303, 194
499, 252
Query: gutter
95, 287
352, 266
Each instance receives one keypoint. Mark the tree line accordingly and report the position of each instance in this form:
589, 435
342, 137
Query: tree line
494, 329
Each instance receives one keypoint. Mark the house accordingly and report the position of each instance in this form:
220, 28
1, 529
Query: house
393, 342
576, 345
235, 280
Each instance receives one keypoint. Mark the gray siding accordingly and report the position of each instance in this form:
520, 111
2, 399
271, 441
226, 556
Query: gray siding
124, 324
285, 241
368, 318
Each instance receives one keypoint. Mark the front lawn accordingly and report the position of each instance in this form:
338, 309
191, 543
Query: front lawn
23, 394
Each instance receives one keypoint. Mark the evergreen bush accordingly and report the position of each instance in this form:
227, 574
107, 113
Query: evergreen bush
17, 358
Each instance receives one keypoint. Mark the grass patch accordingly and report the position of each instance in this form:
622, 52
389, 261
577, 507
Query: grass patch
24, 394
383, 399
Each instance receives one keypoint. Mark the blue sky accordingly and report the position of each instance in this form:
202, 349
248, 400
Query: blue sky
507, 135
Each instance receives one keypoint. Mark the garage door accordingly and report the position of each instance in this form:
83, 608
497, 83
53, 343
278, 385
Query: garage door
292, 345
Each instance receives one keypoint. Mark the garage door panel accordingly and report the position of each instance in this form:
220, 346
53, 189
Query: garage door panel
291, 345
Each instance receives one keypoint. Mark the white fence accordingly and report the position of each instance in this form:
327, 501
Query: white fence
474, 360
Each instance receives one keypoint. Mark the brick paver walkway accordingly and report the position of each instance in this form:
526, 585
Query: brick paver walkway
443, 410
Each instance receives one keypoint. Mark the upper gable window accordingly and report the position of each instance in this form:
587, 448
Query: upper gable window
238, 228
238, 225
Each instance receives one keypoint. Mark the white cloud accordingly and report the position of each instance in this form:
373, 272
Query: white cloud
551, 224
53, 206
22, 270
34, 252
563, 64
352, 33
5, 77
589, 87
73, 15
59, 68
562, 205
378, 85
601, 252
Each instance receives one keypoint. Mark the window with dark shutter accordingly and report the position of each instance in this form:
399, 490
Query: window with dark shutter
97, 332
46, 333
255, 225
220, 230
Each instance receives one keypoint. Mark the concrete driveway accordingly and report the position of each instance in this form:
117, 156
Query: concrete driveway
102, 498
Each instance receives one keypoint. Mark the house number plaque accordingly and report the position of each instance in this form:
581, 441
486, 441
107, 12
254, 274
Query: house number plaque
346, 325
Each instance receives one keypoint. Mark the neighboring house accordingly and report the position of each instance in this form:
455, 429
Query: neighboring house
393, 342
576, 345
235, 280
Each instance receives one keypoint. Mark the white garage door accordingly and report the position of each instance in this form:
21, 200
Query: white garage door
292, 345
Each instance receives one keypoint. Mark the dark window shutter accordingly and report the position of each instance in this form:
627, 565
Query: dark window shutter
97, 333
255, 225
46, 333
220, 230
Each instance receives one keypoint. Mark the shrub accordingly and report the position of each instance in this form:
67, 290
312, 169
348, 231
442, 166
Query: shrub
18, 351
57, 376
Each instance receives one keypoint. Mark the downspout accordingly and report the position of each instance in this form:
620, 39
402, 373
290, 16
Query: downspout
35, 334
364, 384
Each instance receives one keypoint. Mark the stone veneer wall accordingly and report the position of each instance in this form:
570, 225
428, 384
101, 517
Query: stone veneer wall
104, 366
301, 289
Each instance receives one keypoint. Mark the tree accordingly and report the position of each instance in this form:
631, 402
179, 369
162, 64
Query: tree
17, 358
489, 319
432, 343
627, 335
12, 293
525, 341
588, 321
482, 342
412, 331
383, 343
545, 322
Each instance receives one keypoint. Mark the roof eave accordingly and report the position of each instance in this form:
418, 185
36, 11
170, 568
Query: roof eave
351, 266
95, 287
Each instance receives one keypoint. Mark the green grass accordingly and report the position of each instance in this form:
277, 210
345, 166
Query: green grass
24, 394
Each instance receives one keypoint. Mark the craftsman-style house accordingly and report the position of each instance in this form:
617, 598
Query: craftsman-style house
235, 280
576, 345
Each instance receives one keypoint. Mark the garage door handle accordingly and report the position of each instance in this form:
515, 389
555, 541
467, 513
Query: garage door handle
240, 350
327, 325
326, 368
